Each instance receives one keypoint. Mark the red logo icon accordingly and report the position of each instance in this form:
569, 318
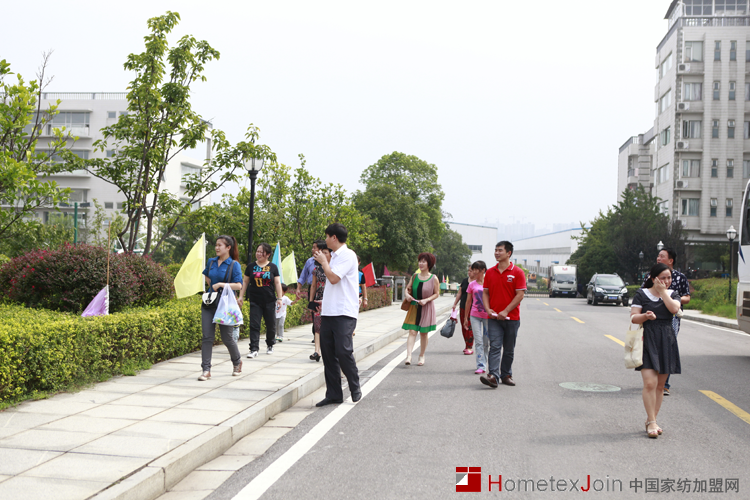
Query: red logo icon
469, 479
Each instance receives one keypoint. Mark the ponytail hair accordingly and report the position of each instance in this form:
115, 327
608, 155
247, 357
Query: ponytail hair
231, 242
653, 273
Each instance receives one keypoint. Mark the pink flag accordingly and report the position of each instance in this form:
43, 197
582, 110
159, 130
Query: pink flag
385, 271
100, 305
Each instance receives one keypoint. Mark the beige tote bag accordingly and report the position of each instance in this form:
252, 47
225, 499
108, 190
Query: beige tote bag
634, 347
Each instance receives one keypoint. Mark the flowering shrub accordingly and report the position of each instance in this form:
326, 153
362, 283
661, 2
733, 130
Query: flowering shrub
68, 278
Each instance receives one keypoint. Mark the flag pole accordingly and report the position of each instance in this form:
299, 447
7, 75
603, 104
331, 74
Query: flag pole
109, 248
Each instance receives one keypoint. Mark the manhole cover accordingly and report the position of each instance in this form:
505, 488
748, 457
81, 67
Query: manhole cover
589, 387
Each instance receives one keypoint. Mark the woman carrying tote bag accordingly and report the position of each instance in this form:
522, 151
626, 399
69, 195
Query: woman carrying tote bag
222, 270
654, 306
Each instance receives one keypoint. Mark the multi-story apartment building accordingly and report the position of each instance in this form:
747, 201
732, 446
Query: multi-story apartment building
84, 114
696, 158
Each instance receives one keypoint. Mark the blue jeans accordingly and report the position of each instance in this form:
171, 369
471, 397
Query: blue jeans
481, 341
502, 335
676, 326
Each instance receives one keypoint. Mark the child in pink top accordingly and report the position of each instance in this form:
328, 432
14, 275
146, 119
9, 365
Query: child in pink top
478, 316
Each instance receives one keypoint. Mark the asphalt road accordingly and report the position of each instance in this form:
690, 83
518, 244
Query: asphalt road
406, 438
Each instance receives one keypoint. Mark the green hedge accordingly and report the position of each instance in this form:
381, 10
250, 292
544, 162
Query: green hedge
44, 351
710, 296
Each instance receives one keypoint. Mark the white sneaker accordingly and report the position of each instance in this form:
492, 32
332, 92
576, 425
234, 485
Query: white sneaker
270, 350
252, 354
205, 376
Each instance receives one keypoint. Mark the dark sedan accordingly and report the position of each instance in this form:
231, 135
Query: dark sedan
607, 289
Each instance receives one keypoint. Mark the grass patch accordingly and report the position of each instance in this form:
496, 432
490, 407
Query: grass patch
710, 297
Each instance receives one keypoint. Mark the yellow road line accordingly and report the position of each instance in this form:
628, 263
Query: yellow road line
537, 299
545, 303
728, 405
577, 319
616, 340
556, 309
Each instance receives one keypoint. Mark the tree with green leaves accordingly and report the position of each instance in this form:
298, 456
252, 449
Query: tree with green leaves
160, 125
453, 255
616, 238
24, 183
403, 195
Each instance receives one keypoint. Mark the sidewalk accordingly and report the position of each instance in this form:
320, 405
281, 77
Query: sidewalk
698, 316
135, 437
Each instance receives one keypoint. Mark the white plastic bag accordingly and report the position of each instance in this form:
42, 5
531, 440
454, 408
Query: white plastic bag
228, 312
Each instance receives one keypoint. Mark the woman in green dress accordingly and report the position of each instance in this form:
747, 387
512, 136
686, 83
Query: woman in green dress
422, 290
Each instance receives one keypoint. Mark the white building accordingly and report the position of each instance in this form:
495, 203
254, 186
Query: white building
539, 252
480, 239
697, 156
84, 114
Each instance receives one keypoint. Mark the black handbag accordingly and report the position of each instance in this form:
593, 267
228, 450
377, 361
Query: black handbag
210, 298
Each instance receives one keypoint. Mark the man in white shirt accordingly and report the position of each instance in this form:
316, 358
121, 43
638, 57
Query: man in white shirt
339, 316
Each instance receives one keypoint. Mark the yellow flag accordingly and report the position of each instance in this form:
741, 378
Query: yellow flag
289, 269
190, 280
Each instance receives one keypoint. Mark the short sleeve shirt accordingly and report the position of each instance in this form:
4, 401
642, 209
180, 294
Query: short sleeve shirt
464, 291
502, 288
342, 299
646, 301
477, 303
285, 301
261, 289
218, 273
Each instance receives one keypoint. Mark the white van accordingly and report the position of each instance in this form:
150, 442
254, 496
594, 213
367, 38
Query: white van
562, 281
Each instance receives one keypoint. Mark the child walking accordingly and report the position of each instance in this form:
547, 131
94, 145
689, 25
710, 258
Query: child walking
281, 313
478, 316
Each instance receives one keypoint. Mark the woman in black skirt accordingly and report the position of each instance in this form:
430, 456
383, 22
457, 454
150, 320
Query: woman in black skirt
654, 306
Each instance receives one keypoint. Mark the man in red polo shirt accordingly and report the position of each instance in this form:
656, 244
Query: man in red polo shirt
504, 288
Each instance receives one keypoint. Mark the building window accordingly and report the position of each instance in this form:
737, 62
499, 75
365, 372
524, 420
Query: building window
747, 91
664, 207
691, 206
730, 129
188, 170
714, 129
665, 101
746, 169
747, 51
698, 7
717, 51
665, 66
112, 114
665, 136
123, 113
691, 129
693, 92
730, 169
691, 168
693, 51
733, 51
75, 122
732, 90
662, 175
714, 206
717, 88
475, 248
731, 6
110, 153
714, 168
746, 132
729, 207
109, 205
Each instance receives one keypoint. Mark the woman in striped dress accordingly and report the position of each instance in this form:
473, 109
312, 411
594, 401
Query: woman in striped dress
422, 290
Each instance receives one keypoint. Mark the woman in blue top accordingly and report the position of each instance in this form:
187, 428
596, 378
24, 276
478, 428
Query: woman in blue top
223, 270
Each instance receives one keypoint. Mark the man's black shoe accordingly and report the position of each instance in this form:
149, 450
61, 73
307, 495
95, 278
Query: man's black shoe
489, 380
327, 401
356, 396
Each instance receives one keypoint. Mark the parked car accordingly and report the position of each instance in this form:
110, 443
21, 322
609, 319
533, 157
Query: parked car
607, 289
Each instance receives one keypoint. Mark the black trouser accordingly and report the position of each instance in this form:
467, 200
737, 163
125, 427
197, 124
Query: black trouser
337, 349
268, 313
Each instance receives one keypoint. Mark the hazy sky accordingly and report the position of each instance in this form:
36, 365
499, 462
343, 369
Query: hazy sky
522, 105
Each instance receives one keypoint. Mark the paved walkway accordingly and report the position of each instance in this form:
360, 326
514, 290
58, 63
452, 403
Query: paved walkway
136, 437
693, 315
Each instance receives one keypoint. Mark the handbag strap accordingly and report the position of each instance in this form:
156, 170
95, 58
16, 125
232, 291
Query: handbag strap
226, 276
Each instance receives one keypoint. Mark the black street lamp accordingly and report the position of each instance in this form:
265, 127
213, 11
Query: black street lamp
731, 235
253, 166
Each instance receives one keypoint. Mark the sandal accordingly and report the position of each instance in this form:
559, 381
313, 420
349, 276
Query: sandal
653, 434
408, 360
658, 429
421, 361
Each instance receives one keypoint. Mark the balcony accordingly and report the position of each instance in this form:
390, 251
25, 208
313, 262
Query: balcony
689, 107
85, 96
688, 184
